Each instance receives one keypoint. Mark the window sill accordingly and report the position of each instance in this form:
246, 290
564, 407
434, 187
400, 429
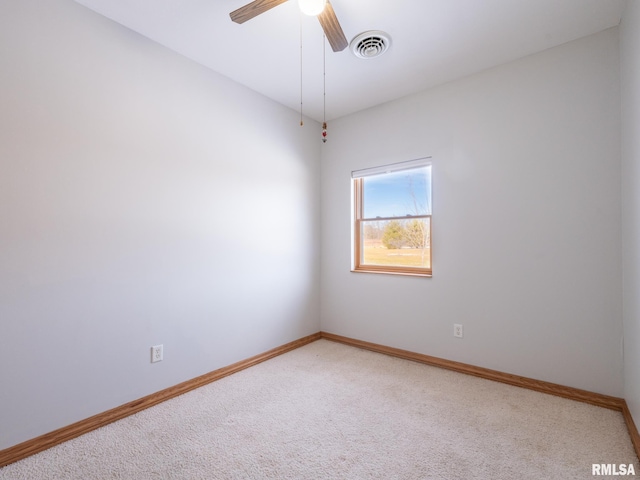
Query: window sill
405, 273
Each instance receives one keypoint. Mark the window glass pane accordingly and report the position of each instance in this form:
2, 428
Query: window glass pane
398, 194
400, 243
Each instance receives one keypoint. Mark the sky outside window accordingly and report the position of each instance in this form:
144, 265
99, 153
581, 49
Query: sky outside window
398, 194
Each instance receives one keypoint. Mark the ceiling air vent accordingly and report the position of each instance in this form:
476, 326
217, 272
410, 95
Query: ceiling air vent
370, 44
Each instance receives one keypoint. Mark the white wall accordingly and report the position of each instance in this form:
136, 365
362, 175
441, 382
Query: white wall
630, 81
143, 200
526, 225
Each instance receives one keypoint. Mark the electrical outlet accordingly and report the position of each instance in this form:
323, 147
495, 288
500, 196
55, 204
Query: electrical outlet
457, 330
156, 353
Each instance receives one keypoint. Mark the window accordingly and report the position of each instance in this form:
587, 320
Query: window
392, 218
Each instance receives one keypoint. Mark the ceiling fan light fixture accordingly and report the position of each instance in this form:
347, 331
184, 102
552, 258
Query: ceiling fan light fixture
312, 7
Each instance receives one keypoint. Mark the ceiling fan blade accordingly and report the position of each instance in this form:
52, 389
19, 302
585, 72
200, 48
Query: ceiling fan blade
253, 9
332, 28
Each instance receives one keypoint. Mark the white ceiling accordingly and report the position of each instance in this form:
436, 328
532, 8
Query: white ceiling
433, 41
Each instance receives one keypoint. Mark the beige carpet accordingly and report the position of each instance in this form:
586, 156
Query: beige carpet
329, 411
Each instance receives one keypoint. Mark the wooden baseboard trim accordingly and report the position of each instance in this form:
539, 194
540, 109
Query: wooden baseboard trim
631, 425
598, 399
33, 446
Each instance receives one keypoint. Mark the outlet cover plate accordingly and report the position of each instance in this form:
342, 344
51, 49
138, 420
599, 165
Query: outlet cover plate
457, 330
156, 353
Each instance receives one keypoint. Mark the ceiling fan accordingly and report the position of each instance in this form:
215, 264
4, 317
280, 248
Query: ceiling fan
326, 16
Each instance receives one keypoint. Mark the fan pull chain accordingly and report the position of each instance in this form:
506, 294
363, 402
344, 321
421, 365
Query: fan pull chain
324, 88
301, 122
